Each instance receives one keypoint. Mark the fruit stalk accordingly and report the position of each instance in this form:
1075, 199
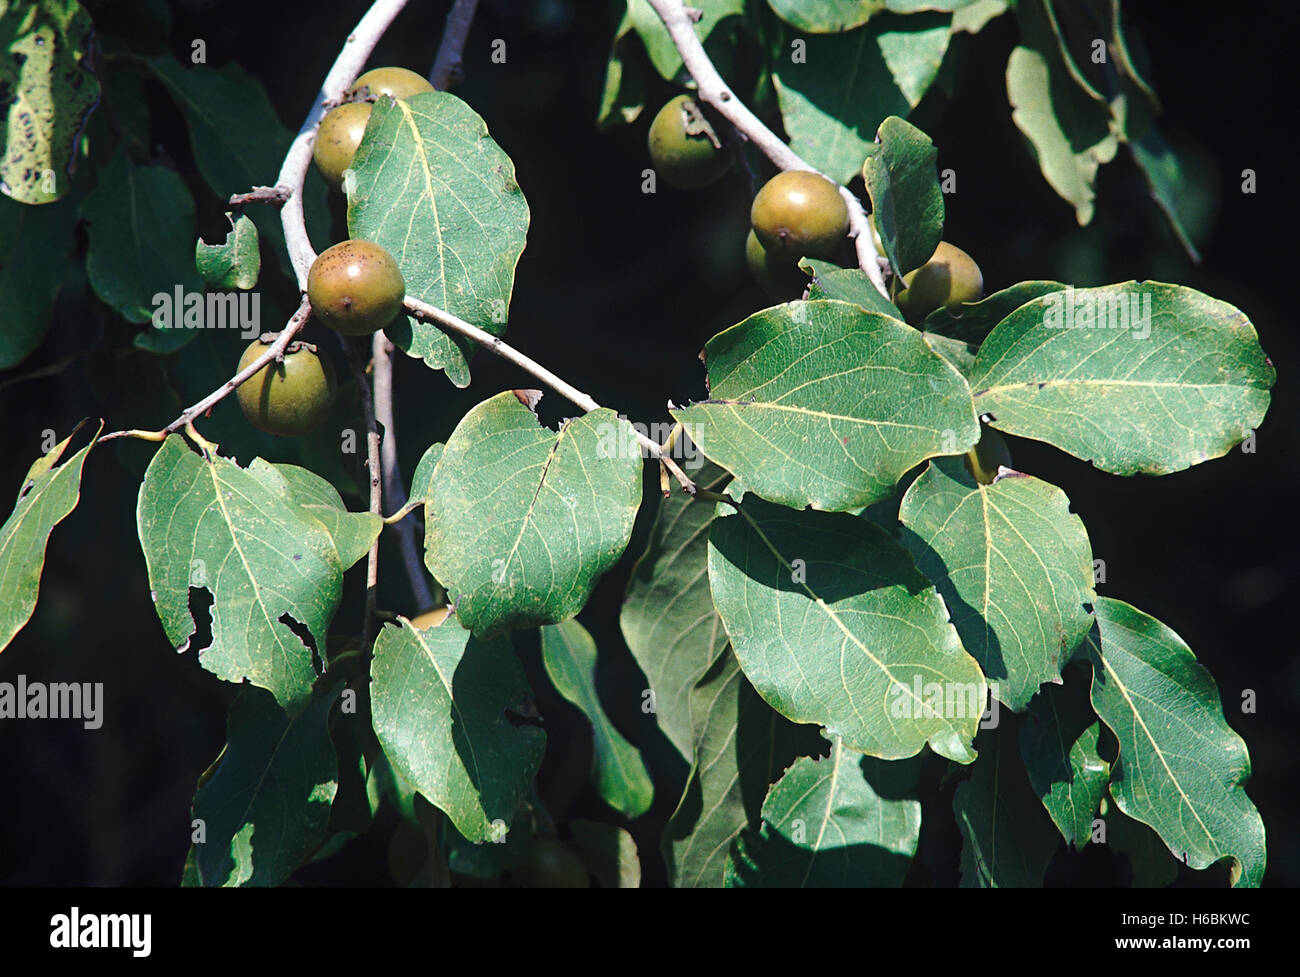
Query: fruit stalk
718, 94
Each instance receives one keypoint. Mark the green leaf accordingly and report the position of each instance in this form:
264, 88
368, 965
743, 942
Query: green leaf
1007, 838
848, 285
433, 188
824, 826
642, 19
33, 264
836, 95
824, 404
1013, 565
971, 322
1151, 864
443, 702
833, 624
521, 520
235, 262
49, 91
610, 853
351, 532
1181, 768
1060, 744
239, 141
1136, 377
906, 201
971, 17
826, 16
422, 480
141, 238
267, 803
1168, 185
48, 494
205, 522
741, 745
623, 98
621, 777
667, 617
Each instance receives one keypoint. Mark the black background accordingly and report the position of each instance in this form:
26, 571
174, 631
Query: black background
618, 291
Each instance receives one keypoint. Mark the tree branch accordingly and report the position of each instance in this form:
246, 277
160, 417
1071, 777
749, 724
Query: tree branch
715, 91
448, 66
376, 487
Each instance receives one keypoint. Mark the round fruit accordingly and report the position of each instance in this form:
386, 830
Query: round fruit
337, 141
685, 158
778, 276
800, 214
985, 458
290, 397
429, 619
551, 864
355, 287
397, 82
948, 279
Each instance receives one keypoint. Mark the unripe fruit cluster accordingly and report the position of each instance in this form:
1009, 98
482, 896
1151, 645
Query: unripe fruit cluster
342, 128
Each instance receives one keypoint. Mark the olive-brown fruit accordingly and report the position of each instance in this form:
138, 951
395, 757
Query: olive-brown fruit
800, 214
288, 398
355, 287
338, 138
551, 864
778, 276
948, 279
397, 82
985, 458
686, 159
430, 619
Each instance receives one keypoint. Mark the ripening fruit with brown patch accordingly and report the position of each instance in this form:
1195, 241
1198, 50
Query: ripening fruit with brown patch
338, 138
288, 398
800, 214
685, 159
948, 279
355, 287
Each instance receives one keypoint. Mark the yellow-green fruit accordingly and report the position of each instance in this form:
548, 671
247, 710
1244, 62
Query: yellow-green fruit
551, 864
948, 279
984, 459
800, 214
684, 160
338, 138
355, 287
397, 82
290, 397
778, 276
430, 619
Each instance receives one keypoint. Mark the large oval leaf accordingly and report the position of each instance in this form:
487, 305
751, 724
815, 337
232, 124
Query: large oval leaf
833, 624
1136, 377
521, 520
1013, 565
432, 187
825, 404
1181, 768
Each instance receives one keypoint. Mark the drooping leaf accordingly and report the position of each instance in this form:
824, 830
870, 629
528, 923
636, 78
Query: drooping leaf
1181, 768
1135, 377
34, 246
1059, 742
843, 86
433, 188
49, 90
267, 803
833, 624
446, 708
824, 826
1014, 566
1167, 182
668, 619
903, 183
205, 522
569, 654
824, 404
610, 853
521, 520
141, 228
1007, 837
235, 262
741, 747
48, 494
